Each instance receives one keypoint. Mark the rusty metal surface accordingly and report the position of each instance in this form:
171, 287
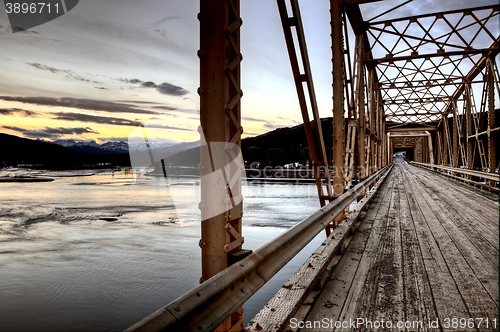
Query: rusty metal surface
314, 134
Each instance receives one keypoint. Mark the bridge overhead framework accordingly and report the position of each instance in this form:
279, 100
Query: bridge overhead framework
426, 84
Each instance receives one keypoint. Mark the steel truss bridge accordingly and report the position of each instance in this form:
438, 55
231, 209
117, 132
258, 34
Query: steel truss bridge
424, 85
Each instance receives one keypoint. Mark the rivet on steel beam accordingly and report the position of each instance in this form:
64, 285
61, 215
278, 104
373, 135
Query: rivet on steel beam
200, 54
200, 91
243, 290
241, 264
177, 308
201, 206
200, 16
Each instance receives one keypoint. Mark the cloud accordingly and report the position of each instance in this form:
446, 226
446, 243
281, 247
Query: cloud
111, 121
95, 119
287, 119
148, 85
163, 88
21, 130
252, 119
84, 104
142, 102
19, 112
168, 108
170, 89
49, 132
69, 73
266, 124
271, 126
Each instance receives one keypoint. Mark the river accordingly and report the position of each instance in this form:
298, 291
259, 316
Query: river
102, 252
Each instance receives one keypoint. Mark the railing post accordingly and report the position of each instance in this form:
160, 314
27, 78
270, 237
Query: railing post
220, 117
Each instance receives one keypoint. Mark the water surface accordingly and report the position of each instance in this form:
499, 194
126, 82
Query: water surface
62, 267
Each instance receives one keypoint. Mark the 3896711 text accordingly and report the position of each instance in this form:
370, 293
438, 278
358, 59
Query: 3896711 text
31, 8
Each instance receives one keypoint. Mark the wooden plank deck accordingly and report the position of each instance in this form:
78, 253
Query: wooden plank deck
426, 254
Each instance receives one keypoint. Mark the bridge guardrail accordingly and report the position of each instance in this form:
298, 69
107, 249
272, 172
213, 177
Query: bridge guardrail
484, 175
206, 306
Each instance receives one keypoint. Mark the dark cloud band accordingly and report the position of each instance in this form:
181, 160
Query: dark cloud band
50, 132
163, 88
84, 104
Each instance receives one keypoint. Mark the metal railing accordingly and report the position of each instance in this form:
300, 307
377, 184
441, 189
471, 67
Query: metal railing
209, 304
484, 175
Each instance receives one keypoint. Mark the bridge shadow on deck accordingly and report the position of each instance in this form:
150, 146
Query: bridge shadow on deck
426, 250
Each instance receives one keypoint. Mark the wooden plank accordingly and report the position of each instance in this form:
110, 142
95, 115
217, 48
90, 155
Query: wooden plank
478, 302
282, 307
482, 217
418, 303
331, 300
460, 227
481, 209
487, 200
447, 299
382, 298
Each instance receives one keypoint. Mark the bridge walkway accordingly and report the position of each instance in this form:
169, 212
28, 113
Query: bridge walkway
427, 249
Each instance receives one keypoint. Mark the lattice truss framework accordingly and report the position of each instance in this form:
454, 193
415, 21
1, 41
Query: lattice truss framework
438, 70
421, 61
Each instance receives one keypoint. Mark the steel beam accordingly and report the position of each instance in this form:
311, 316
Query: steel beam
492, 136
220, 117
338, 97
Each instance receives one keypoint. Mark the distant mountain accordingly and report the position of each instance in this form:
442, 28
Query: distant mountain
275, 148
91, 146
16, 150
162, 147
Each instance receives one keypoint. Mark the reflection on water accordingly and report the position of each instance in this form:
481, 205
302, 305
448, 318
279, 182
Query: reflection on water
63, 266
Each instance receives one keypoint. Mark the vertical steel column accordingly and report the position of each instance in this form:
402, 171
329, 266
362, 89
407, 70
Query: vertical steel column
384, 140
220, 117
468, 126
389, 149
439, 148
360, 103
373, 123
455, 135
447, 144
431, 152
492, 155
338, 97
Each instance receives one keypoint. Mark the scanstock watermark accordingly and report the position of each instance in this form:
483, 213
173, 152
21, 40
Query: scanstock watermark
26, 14
368, 324
224, 178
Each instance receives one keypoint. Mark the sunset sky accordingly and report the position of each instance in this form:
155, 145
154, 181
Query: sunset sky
109, 65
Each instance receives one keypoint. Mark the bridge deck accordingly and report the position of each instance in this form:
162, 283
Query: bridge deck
426, 249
